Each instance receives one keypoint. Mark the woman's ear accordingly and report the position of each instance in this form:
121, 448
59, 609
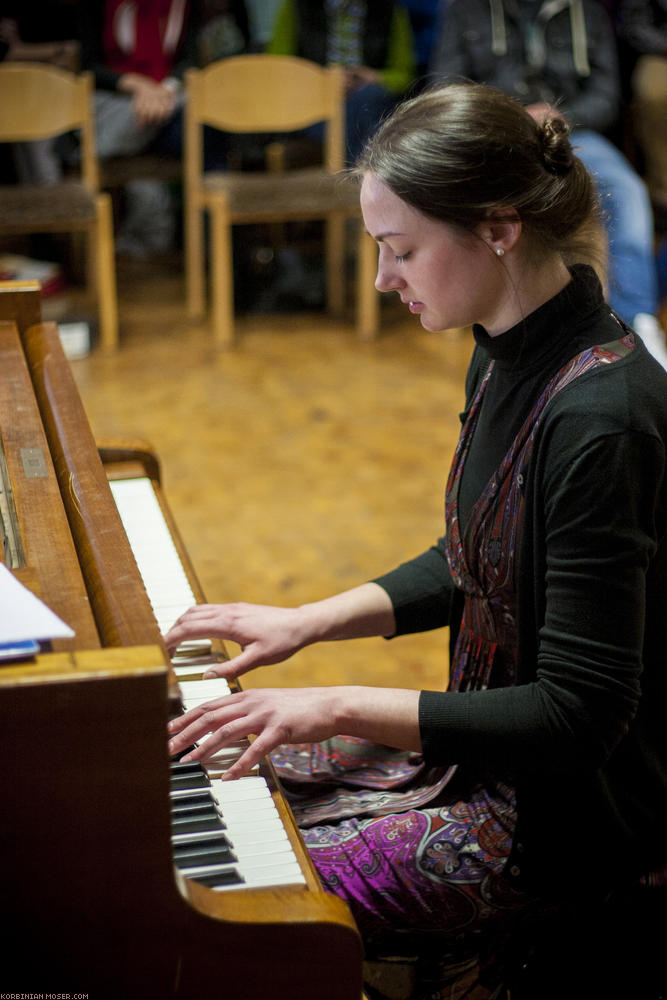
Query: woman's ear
500, 230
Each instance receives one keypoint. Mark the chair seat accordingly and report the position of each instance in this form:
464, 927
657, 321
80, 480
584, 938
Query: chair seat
308, 193
28, 207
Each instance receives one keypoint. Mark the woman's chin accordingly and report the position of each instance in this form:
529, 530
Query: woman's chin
428, 324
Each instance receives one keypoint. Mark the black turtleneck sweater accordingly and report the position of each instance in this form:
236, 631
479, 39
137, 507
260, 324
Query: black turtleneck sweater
582, 733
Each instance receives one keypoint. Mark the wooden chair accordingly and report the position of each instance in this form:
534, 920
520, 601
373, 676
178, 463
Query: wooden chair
41, 102
269, 94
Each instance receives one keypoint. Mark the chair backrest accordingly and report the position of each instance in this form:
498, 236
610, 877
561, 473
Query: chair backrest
267, 93
38, 101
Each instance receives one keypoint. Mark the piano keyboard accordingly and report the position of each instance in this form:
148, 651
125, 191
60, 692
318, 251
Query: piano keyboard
227, 835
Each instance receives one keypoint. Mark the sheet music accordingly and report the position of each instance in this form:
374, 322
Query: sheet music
23, 616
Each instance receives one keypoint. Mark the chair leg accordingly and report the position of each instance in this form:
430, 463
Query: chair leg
194, 257
106, 275
368, 301
222, 271
335, 262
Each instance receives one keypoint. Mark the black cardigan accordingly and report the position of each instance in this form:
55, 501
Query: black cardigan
582, 734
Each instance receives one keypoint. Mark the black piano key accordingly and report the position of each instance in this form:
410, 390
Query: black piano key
190, 803
188, 807
196, 824
202, 843
192, 767
189, 781
230, 876
201, 856
181, 753
185, 794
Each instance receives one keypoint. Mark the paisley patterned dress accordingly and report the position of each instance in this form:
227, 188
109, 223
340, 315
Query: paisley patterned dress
421, 849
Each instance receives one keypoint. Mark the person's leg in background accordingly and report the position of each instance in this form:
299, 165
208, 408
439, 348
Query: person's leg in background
626, 207
149, 222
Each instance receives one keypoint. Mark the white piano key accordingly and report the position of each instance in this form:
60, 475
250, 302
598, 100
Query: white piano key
196, 702
270, 876
216, 770
274, 877
253, 812
191, 667
267, 855
255, 815
204, 690
246, 841
244, 789
254, 839
221, 760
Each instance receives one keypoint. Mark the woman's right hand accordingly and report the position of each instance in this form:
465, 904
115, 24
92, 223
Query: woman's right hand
265, 634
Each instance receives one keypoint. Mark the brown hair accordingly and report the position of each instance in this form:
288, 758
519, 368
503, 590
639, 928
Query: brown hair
455, 152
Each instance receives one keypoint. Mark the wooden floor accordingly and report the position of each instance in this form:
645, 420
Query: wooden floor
299, 464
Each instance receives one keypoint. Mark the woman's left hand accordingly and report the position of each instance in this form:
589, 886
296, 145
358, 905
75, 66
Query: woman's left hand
275, 716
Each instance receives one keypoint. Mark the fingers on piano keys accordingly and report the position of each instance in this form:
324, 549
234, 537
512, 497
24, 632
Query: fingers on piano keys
199, 692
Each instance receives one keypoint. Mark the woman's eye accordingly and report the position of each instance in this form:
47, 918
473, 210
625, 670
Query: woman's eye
399, 258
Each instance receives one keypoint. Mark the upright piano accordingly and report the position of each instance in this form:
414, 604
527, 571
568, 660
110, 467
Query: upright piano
93, 897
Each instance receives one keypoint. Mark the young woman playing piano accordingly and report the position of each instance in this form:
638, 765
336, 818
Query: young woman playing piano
543, 766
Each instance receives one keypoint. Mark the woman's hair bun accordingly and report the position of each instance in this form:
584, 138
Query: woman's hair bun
557, 154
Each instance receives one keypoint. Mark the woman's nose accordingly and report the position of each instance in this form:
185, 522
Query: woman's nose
387, 280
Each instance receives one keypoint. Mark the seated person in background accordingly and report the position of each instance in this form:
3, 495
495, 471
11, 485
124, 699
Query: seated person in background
541, 772
564, 56
372, 39
643, 26
225, 30
138, 51
424, 21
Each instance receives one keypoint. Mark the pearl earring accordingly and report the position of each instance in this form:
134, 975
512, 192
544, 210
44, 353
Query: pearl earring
500, 251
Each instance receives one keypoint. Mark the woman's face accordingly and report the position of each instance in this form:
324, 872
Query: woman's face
447, 278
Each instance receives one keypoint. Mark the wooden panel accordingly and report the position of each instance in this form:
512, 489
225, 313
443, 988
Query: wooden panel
47, 541
121, 606
21, 303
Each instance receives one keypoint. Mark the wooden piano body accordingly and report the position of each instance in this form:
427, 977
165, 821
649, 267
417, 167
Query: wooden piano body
90, 897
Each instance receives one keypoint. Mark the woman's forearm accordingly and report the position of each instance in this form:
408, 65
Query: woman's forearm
354, 614
389, 716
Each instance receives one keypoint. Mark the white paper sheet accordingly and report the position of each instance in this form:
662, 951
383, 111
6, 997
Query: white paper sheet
23, 616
